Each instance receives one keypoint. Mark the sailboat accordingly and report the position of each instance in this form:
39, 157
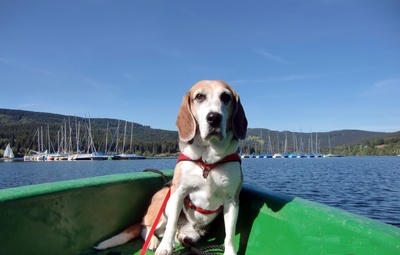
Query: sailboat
317, 146
294, 153
269, 147
311, 148
285, 154
40, 154
91, 153
8, 153
131, 155
277, 154
330, 150
301, 154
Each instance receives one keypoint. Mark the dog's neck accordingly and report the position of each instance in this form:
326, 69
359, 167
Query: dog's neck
210, 151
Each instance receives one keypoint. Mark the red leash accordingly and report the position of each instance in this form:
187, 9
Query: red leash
153, 227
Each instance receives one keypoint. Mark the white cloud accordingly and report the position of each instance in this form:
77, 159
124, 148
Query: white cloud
389, 88
270, 56
274, 79
99, 88
27, 105
34, 69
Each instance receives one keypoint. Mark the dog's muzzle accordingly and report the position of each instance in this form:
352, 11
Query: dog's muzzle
214, 119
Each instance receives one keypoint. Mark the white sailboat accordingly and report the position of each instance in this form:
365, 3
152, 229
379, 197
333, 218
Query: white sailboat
330, 150
41, 154
285, 154
277, 154
91, 153
131, 155
8, 153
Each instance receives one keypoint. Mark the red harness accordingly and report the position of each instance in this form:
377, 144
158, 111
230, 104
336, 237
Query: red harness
199, 209
208, 167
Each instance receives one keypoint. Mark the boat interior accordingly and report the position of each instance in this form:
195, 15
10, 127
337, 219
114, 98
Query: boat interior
70, 217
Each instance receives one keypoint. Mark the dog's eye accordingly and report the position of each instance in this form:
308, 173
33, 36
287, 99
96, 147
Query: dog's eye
200, 97
225, 98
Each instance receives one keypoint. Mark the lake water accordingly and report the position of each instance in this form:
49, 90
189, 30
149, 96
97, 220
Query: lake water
368, 186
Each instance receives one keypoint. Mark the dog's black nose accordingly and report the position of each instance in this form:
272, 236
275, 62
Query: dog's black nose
214, 119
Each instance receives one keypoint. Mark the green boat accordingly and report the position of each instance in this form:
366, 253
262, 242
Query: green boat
70, 217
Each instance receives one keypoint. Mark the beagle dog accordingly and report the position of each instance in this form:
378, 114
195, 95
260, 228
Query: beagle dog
207, 178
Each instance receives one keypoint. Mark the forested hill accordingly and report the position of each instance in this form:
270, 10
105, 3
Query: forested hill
346, 142
335, 138
20, 128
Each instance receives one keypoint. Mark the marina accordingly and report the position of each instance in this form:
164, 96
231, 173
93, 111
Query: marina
60, 148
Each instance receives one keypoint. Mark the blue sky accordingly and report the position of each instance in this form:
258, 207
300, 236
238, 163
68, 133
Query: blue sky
311, 65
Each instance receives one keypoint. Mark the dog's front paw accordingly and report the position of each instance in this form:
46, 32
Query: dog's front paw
154, 242
163, 252
229, 251
164, 249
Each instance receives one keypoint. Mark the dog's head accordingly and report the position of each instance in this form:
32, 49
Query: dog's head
211, 109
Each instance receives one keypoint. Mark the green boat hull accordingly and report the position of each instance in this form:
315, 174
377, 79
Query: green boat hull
70, 217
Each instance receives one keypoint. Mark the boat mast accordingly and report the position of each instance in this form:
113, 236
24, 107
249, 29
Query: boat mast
269, 144
105, 147
261, 142
277, 141
130, 145
77, 135
92, 148
329, 142
70, 136
123, 143
48, 138
65, 137
294, 143
60, 146
285, 150
41, 138
58, 141
116, 144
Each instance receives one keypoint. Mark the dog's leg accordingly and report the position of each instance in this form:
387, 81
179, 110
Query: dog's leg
231, 209
154, 242
150, 217
174, 208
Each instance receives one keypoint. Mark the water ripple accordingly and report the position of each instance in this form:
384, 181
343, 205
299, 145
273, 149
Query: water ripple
368, 186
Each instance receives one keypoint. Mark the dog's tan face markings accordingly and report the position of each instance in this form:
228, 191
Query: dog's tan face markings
211, 106
210, 109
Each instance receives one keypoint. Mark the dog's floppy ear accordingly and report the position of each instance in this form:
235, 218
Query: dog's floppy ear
185, 121
239, 121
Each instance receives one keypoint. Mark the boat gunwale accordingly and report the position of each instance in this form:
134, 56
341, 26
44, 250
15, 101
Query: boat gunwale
21, 192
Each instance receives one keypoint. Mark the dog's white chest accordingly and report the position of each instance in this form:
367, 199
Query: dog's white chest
210, 193
223, 177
